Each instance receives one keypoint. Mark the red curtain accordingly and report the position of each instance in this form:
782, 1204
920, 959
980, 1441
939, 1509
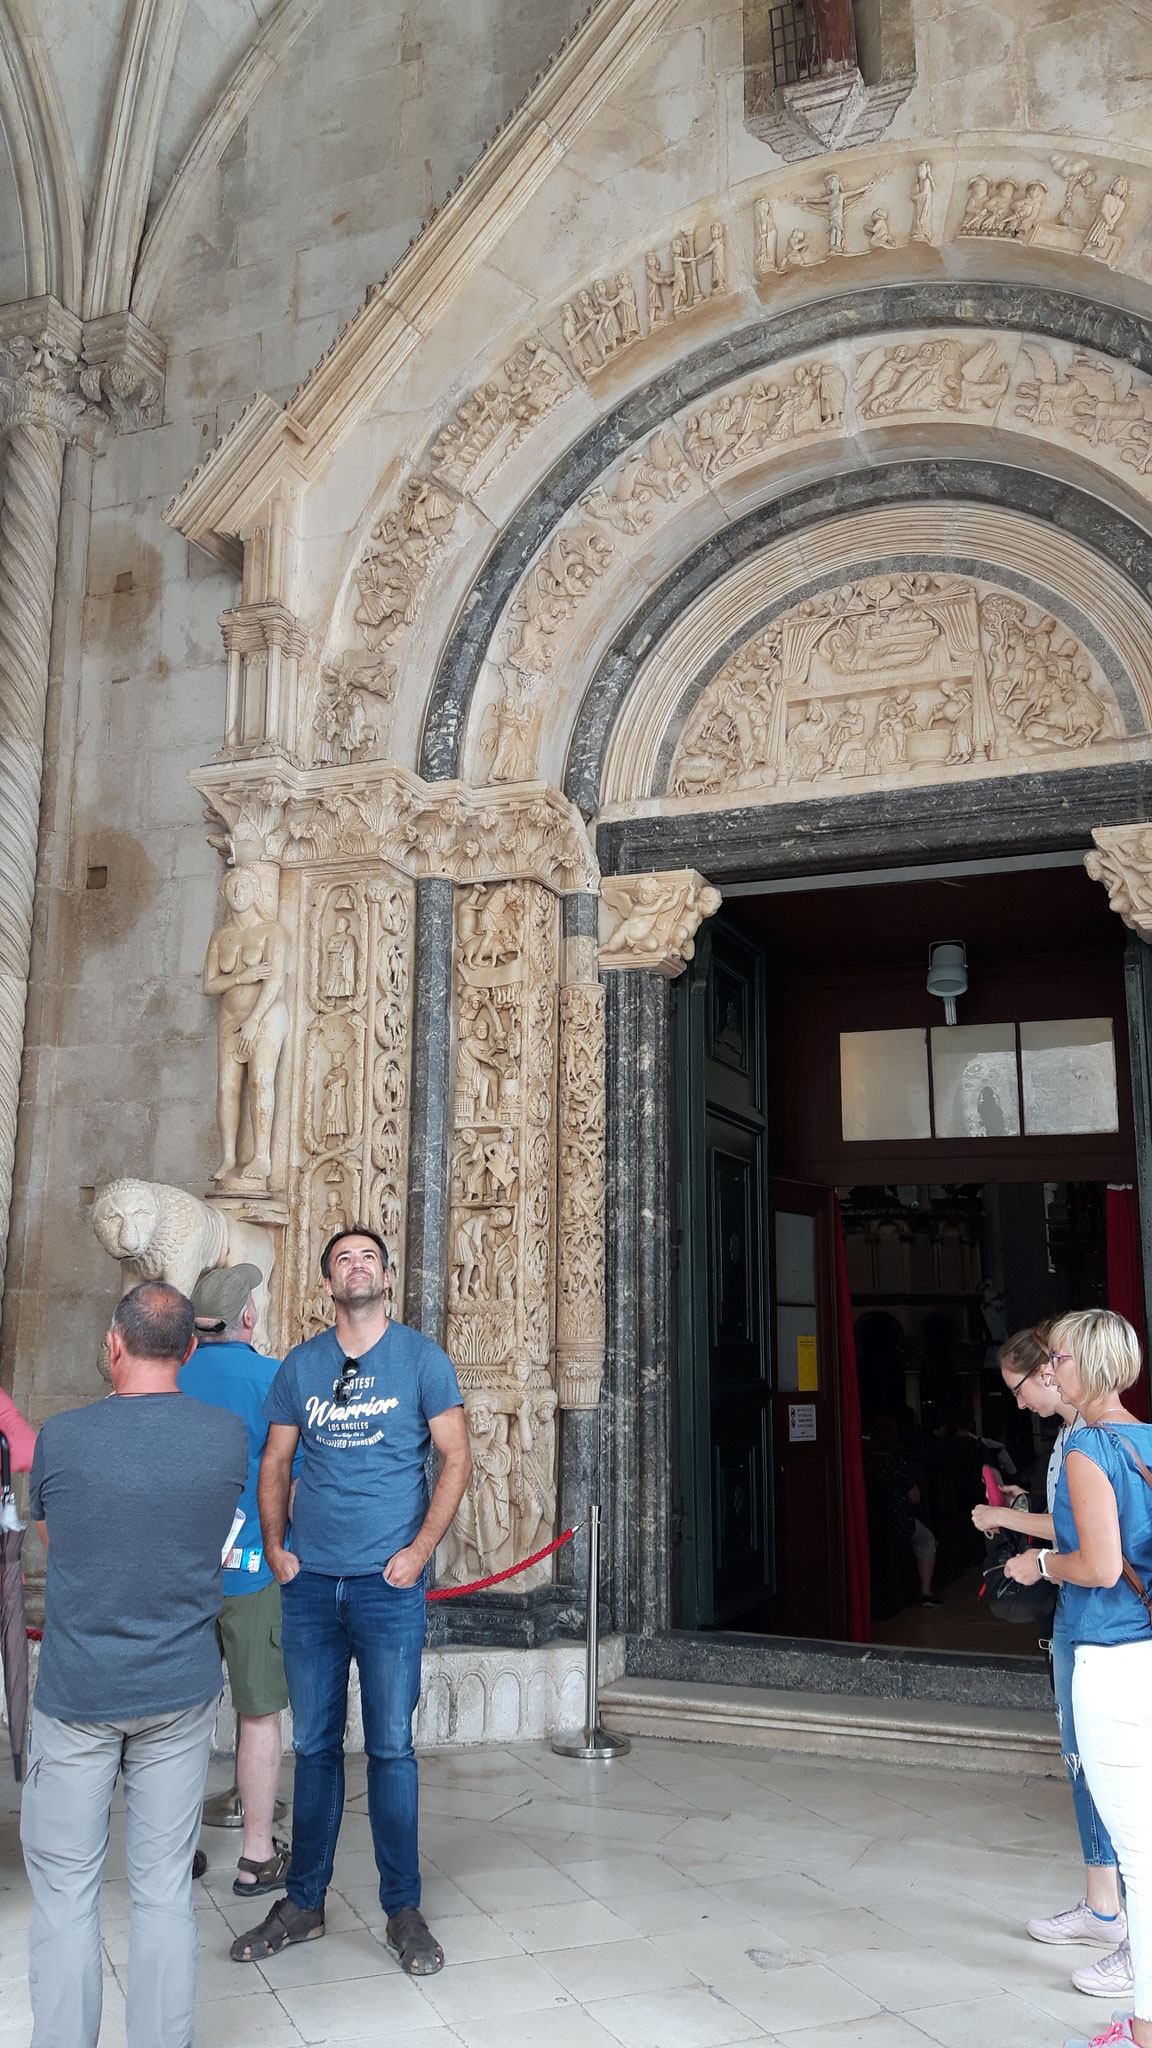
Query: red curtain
858, 1574
1126, 1282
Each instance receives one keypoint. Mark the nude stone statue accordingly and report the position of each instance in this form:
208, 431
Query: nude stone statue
247, 967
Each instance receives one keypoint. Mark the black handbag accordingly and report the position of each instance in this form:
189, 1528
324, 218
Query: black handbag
1031, 1606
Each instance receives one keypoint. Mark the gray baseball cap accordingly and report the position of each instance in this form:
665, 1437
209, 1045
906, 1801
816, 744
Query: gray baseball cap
221, 1295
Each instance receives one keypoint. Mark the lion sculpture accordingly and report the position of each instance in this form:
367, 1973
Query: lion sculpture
162, 1233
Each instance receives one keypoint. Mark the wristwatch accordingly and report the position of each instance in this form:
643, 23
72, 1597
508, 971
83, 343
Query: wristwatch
1042, 1567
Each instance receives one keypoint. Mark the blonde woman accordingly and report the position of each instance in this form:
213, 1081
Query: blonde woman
1103, 1528
1097, 1921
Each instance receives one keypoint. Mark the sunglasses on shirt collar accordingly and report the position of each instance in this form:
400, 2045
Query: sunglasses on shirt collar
342, 1387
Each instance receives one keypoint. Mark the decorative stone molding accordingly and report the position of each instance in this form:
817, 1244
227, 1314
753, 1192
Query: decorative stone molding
1122, 861
378, 811
265, 645
650, 921
580, 1252
501, 1224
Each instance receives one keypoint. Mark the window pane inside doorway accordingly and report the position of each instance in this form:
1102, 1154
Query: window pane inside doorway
974, 1085
795, 1257
884, 1084
797, 1371
1069, 1076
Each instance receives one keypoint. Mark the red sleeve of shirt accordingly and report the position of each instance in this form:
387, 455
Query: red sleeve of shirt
20, 1434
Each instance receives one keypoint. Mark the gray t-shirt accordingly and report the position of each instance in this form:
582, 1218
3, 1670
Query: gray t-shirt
138, 1492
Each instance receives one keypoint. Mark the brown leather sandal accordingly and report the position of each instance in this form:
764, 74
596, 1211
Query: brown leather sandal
269, 1876
284, 1925
417, 1950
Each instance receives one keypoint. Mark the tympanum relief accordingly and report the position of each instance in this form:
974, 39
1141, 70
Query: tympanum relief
501, 1225
604, 320
894, 678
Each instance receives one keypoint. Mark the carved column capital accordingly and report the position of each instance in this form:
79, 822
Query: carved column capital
1122, 860
650, 921
81, 380
124, 364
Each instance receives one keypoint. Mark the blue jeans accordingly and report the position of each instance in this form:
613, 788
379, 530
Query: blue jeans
1095, 1840
327, 1622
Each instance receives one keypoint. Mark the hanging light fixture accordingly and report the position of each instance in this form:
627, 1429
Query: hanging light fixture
947, 973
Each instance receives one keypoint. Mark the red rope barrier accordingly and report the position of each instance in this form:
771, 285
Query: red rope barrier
35, 1635
478, 1585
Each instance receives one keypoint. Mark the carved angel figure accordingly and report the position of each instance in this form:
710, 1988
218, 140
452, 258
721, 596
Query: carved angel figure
247, 968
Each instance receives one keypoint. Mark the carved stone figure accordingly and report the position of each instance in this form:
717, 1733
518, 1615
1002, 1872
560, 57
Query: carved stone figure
500, 412
1122, 860
797, 251
393, 569
659, 476
247, 968
922, 199
833, 202
340, 962
939, 375
336, 1080
650, 921
955, 712
767, 241
756, 417
157, 1232
1102, 242
551, 594
878, 231
580, 1254
691, 274
1079, 179
511, 735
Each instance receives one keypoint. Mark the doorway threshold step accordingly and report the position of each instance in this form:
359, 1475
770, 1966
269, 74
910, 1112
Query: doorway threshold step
845, 1725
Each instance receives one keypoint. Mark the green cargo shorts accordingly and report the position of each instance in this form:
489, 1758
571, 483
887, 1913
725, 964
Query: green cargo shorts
248, 1632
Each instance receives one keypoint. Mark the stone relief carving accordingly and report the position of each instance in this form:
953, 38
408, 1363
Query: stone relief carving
551, 593
658, 476
386, 813
350, 1120
392, 571
157, 1232
1092, 400
938, 375
351, 694
247, 968
650, 921
890, 675
580, 1254
1122, 860
833, 203
501, 1224
760, 415
604, 320
510, 741
499, 414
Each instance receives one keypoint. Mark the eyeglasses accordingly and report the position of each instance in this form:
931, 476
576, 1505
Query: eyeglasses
342, 1387
1060, 1358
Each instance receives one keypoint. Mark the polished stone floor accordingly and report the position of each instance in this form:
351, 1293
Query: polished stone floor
685, 1897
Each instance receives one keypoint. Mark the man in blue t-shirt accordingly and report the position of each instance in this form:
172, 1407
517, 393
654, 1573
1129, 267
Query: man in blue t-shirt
365, 1402
226, 1371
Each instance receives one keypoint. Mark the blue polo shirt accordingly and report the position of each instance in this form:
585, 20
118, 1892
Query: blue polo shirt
363, 1493
237, 1377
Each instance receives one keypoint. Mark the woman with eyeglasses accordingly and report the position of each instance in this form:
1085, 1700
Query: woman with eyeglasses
1097, 1921
1103, 1563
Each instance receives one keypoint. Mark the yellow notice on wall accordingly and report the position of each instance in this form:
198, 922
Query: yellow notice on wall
807, 1376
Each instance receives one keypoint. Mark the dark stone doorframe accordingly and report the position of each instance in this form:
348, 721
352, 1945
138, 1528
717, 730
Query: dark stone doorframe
1040, 814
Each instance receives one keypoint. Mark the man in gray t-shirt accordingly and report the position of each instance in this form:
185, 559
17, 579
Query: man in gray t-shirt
134, 1497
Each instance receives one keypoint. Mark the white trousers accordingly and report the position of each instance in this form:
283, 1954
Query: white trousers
72, 1772
1112, 1708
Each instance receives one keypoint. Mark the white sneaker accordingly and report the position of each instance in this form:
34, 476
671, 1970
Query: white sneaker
1080, 1923
1111, 1977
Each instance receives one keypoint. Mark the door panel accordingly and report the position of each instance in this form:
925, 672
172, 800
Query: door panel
806, 1408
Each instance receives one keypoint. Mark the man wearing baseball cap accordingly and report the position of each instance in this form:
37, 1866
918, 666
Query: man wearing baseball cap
225, 1371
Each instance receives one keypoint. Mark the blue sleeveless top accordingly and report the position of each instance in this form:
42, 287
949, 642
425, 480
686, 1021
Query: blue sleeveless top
1110, 1614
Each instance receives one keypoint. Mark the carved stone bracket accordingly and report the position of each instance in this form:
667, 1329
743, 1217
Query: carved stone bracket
124, 364
1122, 860
580, 1210
650, 921
372, 811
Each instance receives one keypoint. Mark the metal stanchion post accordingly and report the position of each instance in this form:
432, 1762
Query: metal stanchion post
226, 1809
592, 1741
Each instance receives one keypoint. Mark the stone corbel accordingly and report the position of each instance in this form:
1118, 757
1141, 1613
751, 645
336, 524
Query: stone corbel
651, 921
1122, 860
265, 644
124, 364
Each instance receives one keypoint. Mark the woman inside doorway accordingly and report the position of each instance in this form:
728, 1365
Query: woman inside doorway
1098, 1920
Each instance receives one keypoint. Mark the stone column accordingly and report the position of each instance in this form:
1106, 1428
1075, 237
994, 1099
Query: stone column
40, 410
580, 1227
431, 1112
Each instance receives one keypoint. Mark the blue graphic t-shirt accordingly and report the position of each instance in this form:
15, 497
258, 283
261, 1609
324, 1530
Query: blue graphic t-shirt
362, 1493
238, 1377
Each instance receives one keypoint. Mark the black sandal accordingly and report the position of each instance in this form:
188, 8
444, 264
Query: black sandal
417, 1949
284, 1925
269, 1876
